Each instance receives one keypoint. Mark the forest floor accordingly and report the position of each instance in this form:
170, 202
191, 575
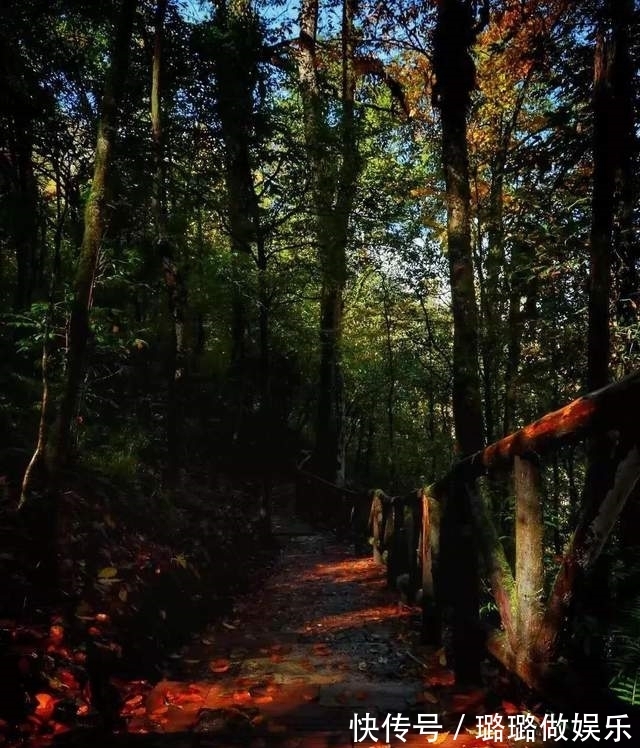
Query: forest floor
321, 644
316, 653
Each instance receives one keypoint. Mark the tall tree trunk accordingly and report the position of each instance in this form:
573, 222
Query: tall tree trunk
626, 241
333, 190
94, 221
602, 215
454, 71
237, 75
455, 79
391, 385
627, 245
174, 282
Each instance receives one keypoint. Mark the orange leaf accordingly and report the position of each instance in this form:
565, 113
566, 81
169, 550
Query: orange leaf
45, 706
276, 658
263, 699
68, 679
56, 634
220, 666
159, 711
440, 676
241, 697
510, 708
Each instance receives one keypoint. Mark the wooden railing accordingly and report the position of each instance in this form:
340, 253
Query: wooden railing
459, 535
438, 538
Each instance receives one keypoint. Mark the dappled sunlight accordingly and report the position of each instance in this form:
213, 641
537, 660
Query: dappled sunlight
355, 619
350, 570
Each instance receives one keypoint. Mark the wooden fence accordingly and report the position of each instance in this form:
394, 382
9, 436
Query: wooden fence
442, 537
459, 537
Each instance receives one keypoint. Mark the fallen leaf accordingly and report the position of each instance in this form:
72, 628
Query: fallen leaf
159, 711
440, 676
56, 634
67, 679
109, 572
45, 706
220, 666
263, 699
133, 701
241, 697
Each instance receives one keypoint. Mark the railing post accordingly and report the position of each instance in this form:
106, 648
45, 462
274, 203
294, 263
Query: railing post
429, 552
376, 524
529, 568
394, 542
412, 526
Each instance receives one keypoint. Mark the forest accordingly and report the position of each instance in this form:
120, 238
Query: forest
354, 247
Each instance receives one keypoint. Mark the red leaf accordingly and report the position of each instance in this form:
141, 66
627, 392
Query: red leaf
220, 666
46, 705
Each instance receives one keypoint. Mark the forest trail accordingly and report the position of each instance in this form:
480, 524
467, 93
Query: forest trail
321, 640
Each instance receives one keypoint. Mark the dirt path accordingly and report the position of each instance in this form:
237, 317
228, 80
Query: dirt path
321, 641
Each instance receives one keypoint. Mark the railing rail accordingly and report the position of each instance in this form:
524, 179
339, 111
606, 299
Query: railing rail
438, 537
459, 534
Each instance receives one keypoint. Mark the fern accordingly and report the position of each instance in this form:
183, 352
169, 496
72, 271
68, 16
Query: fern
623, 637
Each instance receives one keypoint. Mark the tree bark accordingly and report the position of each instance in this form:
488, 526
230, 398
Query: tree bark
173, 280
95, 217
455, 79
602, 216
626, 242
237, 75
333, 191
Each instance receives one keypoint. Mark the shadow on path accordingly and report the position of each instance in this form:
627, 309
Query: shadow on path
293, 664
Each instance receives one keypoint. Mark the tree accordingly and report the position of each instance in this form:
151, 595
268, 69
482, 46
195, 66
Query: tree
58, 448
174, 282
455, 79
333, 182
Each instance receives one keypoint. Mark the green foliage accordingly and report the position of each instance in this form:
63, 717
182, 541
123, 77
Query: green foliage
623, 635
